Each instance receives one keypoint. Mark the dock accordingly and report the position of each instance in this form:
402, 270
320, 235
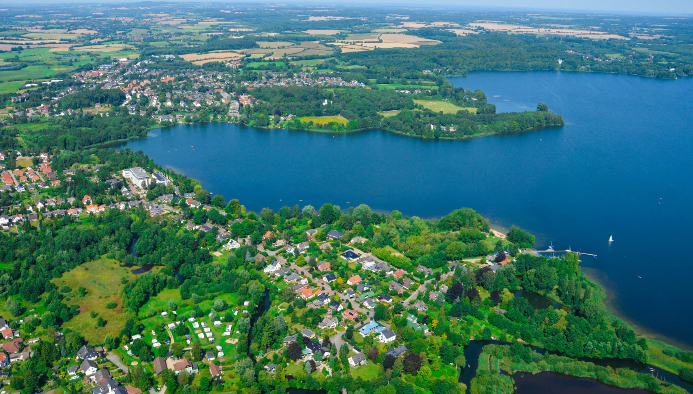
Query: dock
566, 251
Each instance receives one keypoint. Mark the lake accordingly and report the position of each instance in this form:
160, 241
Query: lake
619, 167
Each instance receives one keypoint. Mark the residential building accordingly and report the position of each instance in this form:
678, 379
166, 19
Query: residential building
357, 360
387, 336
138, 177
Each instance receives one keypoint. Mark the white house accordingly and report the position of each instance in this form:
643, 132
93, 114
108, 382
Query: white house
387, 336
89, 367
272, 268
232, 244
357, 359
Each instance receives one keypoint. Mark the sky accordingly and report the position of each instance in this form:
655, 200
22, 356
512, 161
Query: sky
647, 7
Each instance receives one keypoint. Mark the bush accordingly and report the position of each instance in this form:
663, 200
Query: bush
65, 289
111, 305
686, 374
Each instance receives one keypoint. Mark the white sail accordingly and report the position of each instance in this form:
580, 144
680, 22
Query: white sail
611, 238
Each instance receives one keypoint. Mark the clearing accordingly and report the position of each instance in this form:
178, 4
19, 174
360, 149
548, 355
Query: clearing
324, 120
440, 105
102, 279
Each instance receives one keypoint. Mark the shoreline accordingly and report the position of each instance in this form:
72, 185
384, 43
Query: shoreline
611, 305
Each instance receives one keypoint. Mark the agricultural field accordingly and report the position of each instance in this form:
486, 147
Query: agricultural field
103, 280
324, 120
439, 105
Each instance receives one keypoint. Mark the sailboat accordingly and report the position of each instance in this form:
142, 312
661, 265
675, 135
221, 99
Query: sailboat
611, 238
551, 246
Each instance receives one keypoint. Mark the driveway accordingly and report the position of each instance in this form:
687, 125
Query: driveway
152, 391
112, 357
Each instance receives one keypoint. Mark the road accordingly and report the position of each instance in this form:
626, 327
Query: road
152, 391
112, 357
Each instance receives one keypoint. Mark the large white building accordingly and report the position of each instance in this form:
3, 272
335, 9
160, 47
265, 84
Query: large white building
138, 177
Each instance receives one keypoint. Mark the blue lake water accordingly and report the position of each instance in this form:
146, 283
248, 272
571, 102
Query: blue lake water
621, 166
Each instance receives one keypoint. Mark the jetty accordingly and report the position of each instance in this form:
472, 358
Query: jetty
566, 251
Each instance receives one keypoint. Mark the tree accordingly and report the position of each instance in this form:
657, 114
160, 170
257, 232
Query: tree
294, 351
267, 215
14, 307
412, 363
196, 351
328, 214
382, 312
496, 297
542, 107
389, 361
309, 212
373, 353
455, 292
177, 349
109, 342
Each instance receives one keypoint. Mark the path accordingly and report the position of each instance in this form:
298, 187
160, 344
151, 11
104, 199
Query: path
152, 391
415, 294
170, 335
112, 357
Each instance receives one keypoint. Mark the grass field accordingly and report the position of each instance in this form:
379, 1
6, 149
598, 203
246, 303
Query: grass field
323, 120
366, 372
403, 86
102, 279
10, 87
439, 105
387, 114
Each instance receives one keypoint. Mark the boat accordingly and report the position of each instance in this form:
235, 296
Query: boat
611, 238
551, 246
639, 277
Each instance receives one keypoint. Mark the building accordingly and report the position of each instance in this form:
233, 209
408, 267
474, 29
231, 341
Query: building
138, 177
396, 351
308, 333
159, 365
4, 360
88, 367
87, 353
350, 255
372, 326
421, 306
357, 359
387, 336
354, 280
161, 179
335, 235
328, 323
215, 370
270, 368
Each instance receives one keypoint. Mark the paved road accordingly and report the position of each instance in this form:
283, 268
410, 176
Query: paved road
112, 357
415, 294
152, 391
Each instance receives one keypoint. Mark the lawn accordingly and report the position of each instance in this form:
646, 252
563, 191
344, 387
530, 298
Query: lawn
366, 372
102, 279
24, 162
439, 105
324, 120
407, 86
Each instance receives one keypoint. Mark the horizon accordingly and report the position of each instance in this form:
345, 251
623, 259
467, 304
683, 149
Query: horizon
619, 7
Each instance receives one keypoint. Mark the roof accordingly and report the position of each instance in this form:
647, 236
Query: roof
335, 234
387, 334
214, 370
86, 364
358, 358
159, 365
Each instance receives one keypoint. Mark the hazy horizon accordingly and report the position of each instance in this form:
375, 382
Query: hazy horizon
663, 7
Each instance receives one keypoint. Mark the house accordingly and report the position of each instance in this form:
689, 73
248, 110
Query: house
210, 356
335, 235
349, 293
272, 268
350, 314
411, 322
406, 283
361, 287
109, 387
420, 306
311, 233
328, 323
398, 274
291, 278
271, 368
322, 299
357, 240
387, 336
289, 339
13, 346
87, 353
370, 304
324, 266
232, 244
357, 359
370, 327
88, 367
396, 287
138, 177
159, 365
308, 333
184, 365
336, 306
4, 360
354, 280
161, 178
260, 258
306, 293
396, 351
350, 255
443, 288
385, 298
215, 370
101, 376
325, 247
329, 278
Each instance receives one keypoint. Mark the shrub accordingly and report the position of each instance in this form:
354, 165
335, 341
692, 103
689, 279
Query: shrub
111, 305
